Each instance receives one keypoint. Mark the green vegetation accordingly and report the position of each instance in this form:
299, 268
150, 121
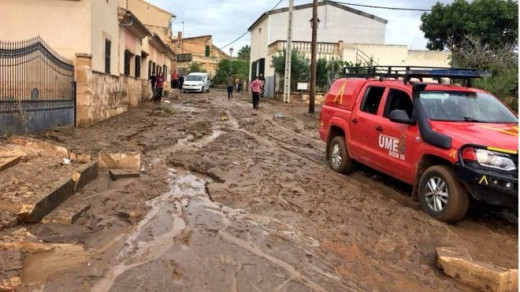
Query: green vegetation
493, 22
195, 67
239, 68
244, 53
300, 68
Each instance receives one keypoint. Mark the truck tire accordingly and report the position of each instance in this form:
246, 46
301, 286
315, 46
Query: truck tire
441, 195
339, 160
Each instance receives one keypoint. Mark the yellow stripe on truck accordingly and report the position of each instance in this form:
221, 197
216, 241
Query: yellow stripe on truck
502, 150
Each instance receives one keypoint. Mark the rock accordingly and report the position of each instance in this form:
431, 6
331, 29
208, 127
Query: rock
116, 174
7, 219
66, 216
121, 160
80, 157
458, 264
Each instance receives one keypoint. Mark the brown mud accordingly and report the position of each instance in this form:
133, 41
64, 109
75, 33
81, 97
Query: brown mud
232, 199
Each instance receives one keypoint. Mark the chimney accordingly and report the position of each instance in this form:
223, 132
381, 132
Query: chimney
179, 35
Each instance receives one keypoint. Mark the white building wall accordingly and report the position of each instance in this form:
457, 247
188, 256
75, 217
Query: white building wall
335, 25
259, 43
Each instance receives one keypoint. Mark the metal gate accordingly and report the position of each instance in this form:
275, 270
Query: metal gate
37, 89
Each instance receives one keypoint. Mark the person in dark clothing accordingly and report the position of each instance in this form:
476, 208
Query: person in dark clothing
262, 79
159, 88
152, 80
181, 81
230, 84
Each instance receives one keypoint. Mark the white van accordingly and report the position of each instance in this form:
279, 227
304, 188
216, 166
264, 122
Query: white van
196, 82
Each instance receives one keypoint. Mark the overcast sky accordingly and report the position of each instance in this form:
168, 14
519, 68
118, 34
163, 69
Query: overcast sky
228, 19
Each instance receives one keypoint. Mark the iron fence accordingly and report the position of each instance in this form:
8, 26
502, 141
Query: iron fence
37, 89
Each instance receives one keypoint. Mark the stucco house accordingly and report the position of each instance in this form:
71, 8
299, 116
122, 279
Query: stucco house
111, 49
343, 33
198, 49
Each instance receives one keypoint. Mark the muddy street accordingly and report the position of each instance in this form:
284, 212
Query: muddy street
233, 199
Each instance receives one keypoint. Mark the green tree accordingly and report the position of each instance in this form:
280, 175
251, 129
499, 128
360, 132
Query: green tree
493, 22
239, 68
244, 53
300, 67
501, 62
195, 67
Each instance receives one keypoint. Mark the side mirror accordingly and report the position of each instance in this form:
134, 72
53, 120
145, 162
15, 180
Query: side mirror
400, 116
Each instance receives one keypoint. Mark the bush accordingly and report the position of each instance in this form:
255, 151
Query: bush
239, 68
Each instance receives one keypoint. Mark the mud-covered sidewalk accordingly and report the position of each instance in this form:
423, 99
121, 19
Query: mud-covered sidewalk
233, 199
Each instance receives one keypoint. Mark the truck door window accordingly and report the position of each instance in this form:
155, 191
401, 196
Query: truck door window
372, 99
398, 100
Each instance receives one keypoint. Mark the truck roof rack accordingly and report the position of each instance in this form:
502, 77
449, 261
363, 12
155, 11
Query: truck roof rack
419, 72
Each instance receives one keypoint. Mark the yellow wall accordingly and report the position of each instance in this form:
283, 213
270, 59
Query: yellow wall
64, 25
105, 25
157, 20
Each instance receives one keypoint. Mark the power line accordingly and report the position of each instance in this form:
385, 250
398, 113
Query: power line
279, 2
385, 7
237, 39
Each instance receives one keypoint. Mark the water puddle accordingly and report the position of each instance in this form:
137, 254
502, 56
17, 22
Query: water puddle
188, 141
187, 206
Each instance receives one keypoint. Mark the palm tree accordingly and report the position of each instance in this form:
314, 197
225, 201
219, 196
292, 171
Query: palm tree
244, 53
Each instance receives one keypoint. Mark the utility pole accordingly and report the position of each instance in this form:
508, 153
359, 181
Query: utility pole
312, 94
288, 56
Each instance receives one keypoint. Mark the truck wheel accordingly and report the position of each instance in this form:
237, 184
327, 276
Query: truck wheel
441, 195
339, 160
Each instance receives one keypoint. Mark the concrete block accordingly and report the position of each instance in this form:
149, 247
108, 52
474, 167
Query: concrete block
116, 174
62, 190
458, 264
32, 213
120, 160
9, 161
85, 174
66, 216
39, 144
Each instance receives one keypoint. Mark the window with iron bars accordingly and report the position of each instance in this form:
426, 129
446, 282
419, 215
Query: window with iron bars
137, 66
108, 45
128, 59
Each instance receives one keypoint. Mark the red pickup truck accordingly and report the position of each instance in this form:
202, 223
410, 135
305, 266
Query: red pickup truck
449, 141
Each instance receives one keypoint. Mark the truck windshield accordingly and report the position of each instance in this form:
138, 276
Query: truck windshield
465, 107
194, 78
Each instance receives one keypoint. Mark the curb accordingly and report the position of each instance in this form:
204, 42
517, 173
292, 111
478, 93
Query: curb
62, 190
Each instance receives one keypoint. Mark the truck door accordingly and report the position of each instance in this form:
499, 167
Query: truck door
396, 141
364, 126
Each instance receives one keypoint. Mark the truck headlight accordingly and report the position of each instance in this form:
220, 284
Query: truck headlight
494, 159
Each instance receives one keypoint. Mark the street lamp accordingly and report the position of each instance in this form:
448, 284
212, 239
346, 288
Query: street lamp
231, 54
317, 22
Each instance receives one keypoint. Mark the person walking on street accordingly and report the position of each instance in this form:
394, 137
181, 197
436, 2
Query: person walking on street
159, 87
152, 80
181, 81
175, 79
230, 83
262, 79
256, 89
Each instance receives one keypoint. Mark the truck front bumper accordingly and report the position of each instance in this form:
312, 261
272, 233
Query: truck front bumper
493, 187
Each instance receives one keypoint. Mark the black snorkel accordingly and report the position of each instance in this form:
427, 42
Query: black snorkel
419, 114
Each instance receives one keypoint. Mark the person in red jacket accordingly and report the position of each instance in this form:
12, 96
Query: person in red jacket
159, 85
256, 89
